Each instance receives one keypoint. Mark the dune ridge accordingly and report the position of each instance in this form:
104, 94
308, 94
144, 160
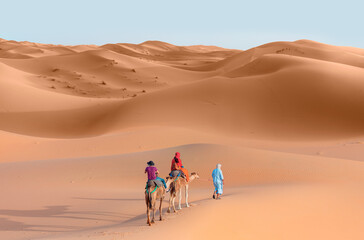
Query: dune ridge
78, 123
288, 78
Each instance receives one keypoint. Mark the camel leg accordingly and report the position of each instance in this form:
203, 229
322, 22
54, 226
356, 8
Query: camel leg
153, 209
174, 207
179, 199
148, 211
148, 217
186, 193
160, 210
170, 203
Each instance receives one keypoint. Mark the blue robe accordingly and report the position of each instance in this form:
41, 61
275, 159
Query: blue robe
217, 177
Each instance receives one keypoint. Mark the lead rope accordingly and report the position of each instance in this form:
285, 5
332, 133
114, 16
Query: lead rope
176, 178
153, 190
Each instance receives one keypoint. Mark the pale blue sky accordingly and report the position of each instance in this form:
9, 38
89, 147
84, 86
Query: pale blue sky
227, 23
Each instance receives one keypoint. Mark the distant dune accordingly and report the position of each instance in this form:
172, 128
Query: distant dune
78, 124
301, 89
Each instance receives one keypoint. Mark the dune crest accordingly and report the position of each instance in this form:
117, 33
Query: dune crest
78, 123
227, 86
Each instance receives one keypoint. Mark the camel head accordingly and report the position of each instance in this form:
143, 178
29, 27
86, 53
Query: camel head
169, 180
194, 175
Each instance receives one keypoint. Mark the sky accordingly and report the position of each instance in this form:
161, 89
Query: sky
226, 23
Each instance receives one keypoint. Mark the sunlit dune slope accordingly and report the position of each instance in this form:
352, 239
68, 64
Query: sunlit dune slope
288, 90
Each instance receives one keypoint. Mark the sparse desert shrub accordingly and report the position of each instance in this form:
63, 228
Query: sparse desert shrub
133, 70
103, 83
55, 70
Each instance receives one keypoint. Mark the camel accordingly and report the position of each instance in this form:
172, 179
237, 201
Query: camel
176, 184
152, 194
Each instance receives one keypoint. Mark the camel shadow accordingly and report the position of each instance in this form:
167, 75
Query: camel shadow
48, 211
111, 199
9, 225
61, 211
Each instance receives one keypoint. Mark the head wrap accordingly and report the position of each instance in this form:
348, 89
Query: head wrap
177, 157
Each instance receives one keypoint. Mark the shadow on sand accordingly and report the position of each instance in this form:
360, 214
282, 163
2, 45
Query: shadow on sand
48, 212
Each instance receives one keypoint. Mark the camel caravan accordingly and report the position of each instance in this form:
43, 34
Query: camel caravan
157, 187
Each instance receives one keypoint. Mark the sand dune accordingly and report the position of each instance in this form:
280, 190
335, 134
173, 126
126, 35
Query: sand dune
78, 124
304, 96
99, 197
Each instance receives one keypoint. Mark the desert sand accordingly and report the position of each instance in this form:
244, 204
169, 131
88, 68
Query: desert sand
79, 123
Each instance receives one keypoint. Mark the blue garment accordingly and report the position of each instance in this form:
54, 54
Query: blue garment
217, 178
163, 181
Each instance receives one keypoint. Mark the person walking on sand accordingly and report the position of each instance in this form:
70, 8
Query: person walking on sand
218, 179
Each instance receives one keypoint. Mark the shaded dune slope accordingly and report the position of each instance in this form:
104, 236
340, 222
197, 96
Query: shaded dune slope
288, 90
